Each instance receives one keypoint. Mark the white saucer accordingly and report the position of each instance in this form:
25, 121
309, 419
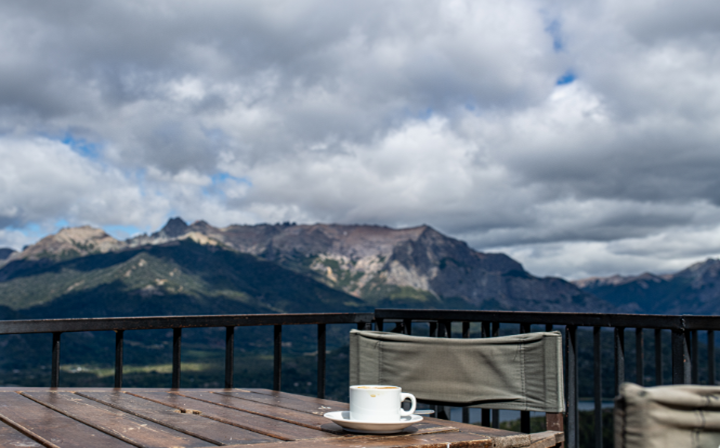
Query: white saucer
342, 418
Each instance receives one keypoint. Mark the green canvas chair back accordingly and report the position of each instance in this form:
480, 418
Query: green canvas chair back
667, 416
521, 372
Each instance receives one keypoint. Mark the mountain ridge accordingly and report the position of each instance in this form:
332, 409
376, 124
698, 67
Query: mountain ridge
693, 290
415, 266
169, 278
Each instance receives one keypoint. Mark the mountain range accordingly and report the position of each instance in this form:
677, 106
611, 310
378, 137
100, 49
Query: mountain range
694, 290
198, 268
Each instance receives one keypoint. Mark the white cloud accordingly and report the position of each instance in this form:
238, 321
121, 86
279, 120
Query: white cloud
660, 253
397, 113
44, 181
16, 239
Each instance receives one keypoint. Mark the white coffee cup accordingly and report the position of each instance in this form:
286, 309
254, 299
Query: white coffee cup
376, 403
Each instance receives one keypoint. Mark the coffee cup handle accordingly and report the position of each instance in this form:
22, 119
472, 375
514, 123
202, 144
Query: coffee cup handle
404, 397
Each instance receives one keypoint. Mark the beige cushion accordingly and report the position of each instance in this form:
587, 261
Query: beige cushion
667, 416
521, 372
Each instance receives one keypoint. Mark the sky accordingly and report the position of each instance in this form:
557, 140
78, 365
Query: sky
580, 137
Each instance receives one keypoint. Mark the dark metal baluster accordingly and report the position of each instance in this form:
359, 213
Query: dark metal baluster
177, 341
379, 324
573, 430
639, 359
597, 346
229, 356
407, 326
680, 357
548, 327
321, 361
448, 328
485, 417
711, 356
694, 356
485, 413
438, 329
658, 357
55, 369
495, 412
277, 357
619, 358
466, 334
119, 336
525, 415
442, 329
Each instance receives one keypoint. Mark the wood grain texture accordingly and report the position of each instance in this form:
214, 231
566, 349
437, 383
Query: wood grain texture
288, 401
104, 417
475, 429
283, 414
445, 440
187, 423
252, 422
319, 401
13, 438
51, 426
128, 428
546, 439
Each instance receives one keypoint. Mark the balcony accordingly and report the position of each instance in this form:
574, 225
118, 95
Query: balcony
584, 333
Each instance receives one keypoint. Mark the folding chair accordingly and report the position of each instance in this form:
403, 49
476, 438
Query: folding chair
522, 372
685, 416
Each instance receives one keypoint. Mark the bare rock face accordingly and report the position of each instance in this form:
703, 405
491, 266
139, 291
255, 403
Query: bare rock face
415, 266
177, 229
378, 263
69, 243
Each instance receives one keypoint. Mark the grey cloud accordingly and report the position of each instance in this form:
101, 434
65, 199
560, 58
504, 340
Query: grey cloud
401, 113
656, 21
388, 61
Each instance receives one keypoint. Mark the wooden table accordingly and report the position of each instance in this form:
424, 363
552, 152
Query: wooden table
100, 418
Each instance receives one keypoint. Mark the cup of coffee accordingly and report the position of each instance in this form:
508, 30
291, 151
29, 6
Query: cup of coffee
374, 403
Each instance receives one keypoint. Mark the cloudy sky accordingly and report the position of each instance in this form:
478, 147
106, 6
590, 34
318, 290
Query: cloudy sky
580, 137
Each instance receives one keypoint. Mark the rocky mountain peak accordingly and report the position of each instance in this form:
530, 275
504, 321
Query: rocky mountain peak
709, 266
618, 280
69, 242
701, 273
175, 227
5, 252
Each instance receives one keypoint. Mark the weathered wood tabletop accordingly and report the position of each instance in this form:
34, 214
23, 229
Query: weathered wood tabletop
92, 417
